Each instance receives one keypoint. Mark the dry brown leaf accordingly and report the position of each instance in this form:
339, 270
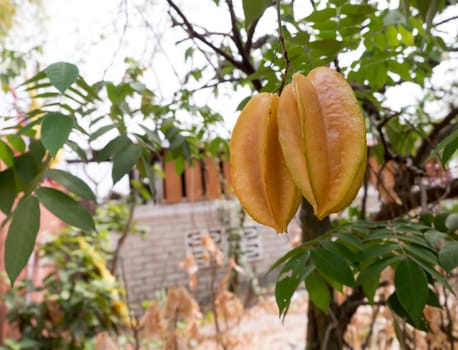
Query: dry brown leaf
209, 244
152, 322
104, 342
180, 303
191, 268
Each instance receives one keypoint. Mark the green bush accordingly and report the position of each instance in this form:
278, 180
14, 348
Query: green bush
79, 297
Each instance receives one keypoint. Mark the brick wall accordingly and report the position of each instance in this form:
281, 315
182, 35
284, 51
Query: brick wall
151, 263
204, 179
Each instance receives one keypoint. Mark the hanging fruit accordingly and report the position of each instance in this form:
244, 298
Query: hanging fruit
259, 174
323, 138
311, 139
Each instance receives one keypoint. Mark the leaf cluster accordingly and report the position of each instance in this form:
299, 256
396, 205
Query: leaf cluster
80, 298
355, 255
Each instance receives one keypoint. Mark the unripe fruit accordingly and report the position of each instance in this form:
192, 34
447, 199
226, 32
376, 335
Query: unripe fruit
259, 175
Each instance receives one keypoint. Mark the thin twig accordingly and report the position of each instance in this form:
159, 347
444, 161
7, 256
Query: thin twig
445, 21
371, 327
283, 48
125, 232
121, 38
132, 318
192, 32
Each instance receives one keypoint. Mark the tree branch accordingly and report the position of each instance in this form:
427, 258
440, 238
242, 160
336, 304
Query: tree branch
248, 67
191, 31
125, 233
439, 132
244, 65
412, 200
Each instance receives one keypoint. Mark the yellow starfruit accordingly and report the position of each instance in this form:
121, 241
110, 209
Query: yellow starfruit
328, 159
310, 140
260, 177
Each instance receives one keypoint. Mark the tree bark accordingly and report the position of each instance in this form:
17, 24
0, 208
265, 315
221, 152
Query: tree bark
321, 330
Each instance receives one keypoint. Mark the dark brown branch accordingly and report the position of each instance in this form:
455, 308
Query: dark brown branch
248, 67
349, 307
439, 132
250, 35
412, 200
192, 32
244, 65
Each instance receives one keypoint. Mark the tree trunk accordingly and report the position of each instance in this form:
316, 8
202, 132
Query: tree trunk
321, 330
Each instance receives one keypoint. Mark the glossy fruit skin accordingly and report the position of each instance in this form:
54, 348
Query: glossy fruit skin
259, 174
332, 140
311, 141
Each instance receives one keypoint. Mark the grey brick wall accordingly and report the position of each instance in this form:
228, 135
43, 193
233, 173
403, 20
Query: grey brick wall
151, 263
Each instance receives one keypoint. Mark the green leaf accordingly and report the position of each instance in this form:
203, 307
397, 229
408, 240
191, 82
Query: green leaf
351, 240
326, 46
301, 38
434, 237
411, 288
448, 146
391, 35
65, 208
102, 130
37, 151
402, 69
433, 299
421, 253
422, 6
86, 87
179, 163
71, 183
124, 161
318, 291
6, 154
439, 222
75, 147
376, 268
150, 175
289, 278
321, 15
253, 9
448, 256
370, 286
25, 169
406, 35
55, 130
357, 10
379, 41
449, 150
7, 190
380, 250
339, 249
452, 222
395, 305
289, 255
39, 76
21, 237
62, 75
433, 273
332, 266
16, 142
114, 146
